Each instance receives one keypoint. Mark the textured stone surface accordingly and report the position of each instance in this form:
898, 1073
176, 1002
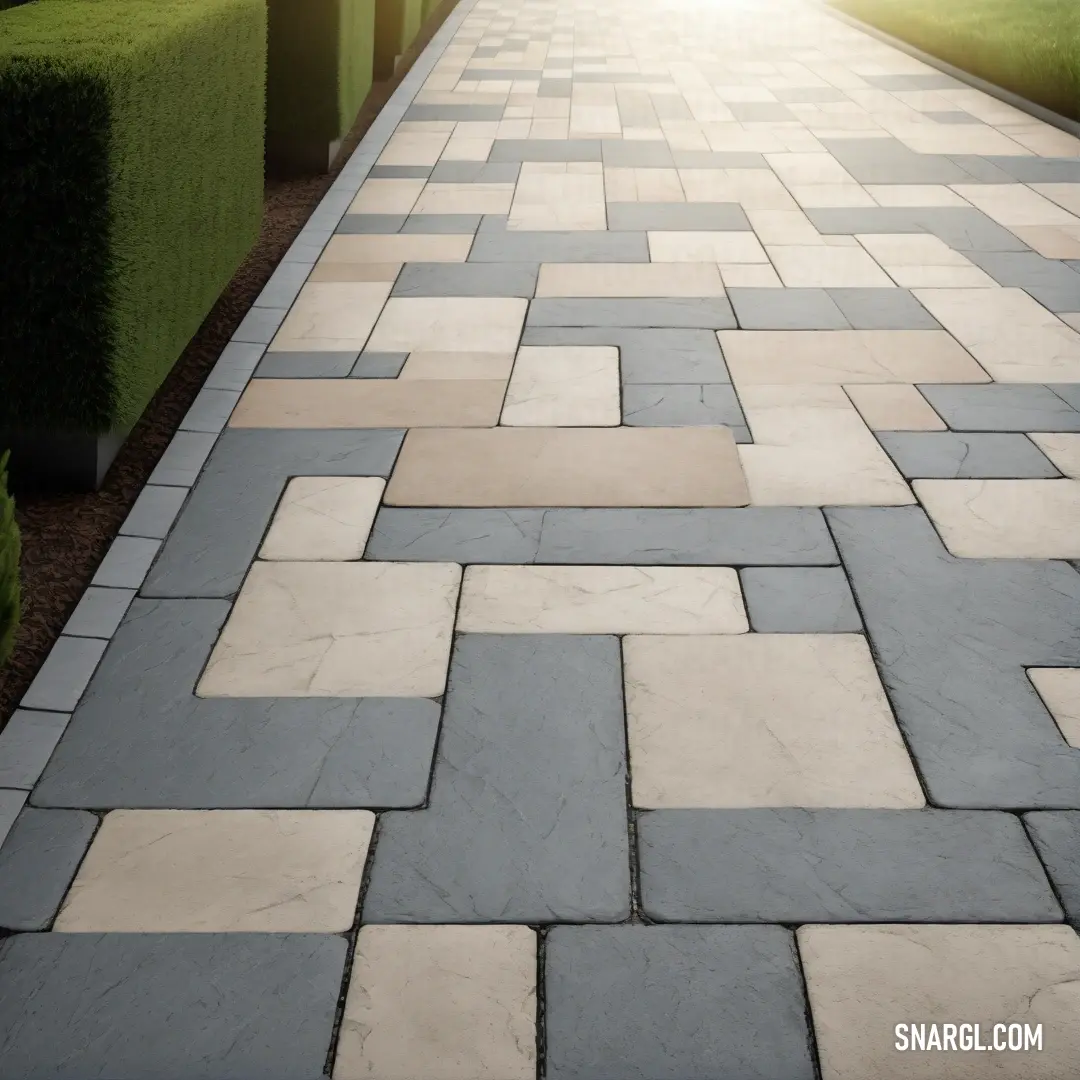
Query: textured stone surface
61, 680
799, 600
952, 638
37, 862
1056, 836
323, 518
678, 1003
1060, 690
786, 309
684, 405
466, 279
948, 455
709, 314
163, 747
99, 612
1002, 408
502, 840
174, 1006
26, 742
798, 866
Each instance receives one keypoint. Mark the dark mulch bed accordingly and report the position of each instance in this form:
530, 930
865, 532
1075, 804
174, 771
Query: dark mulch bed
65, 537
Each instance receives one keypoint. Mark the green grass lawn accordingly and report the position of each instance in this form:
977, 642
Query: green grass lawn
1031, 47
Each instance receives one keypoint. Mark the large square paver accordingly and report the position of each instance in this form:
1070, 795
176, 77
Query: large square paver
168, 1006
449, 324
762, 720
440, 1003
332, 316
337, 630
864, 980
602, 600
568, 467
674, 1003
323, 518
275, 871
1005, 519
563, 386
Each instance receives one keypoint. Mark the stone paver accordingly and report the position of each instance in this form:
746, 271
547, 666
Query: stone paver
633, 537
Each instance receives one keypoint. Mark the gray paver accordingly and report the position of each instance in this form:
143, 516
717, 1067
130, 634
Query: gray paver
555, 88
154, 512
399, 172
636, 154
1049, 281
99, 612
505, 839
883, 309
672, 356
168, 1006
676, 217
546, 150
658, 312
952, 116
675, 1003
889, 161
368, 224
475, 172
217, 534
1057, 839
541, 247
26, 742
467, 279
1038, 170
962, 228
378, 365
975, 456
499, 74
799, 600
306, 365
456, 224
1067, 392
798, 866
683, 405
183, 458
1000, 407
37, 863
126, 562
260, 324
952, 638
981, 170
61, 680
786, 309
141, 739
465, 536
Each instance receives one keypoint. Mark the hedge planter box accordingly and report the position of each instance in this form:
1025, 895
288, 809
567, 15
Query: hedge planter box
397, 22
131, 190
320, 72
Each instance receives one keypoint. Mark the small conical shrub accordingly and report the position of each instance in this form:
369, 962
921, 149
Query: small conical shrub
9, 567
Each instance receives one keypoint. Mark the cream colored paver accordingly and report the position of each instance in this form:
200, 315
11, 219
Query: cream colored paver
630, 279
1005, 519
757, 357
449, 324
440, 1003
1070, 318
559, 195
334, 316
354, 271
1066, 196
395, 248
754, 189
482, 366
1062, 448
821, 266
198, 871
368, 403
897, 407
1011, 334
621, 466
467, 148
601, 600
784, 227
919, 260
386, 196
762, 720
563, 386
465, 199
1051, 241
323, 519
1060, 690
809, 169
337, 630
643, 185
699, 247
413, 147
864, 980
750, 277
823, 196
1014, 204
914, 195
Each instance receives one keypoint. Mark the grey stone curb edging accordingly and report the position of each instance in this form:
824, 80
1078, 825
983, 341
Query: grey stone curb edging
36, 727
1048, 116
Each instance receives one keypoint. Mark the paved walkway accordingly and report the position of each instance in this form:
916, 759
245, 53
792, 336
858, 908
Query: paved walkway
625, 629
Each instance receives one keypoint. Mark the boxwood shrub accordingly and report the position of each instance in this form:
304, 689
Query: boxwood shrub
9, 567
130, 190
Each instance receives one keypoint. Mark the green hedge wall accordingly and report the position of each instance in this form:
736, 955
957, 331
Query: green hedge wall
397, 22
320, 71
9, 567
131, 190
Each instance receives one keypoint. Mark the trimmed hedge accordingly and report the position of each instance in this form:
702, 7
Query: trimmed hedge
9, 567
130, 191
320, 71
397, 22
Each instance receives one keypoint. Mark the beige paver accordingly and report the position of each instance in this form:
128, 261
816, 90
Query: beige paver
323, 519
601, 600
272, 871
568, 467
387, 196
1060, 690
333, 316
369, 403
699, 247
896, 407
354, 271
395, 248
1051, 241
919, 260
824, 196
449, 324
1012, 335
465, 199
1062, 448
864, 980
563, 386
757, 357
1014, 204
914, 195
762, 720
440, 1003
557, 196
809, 169
685, 279
1005, 519
822, 266
643, 185
413, 147
337, 630
480, 366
